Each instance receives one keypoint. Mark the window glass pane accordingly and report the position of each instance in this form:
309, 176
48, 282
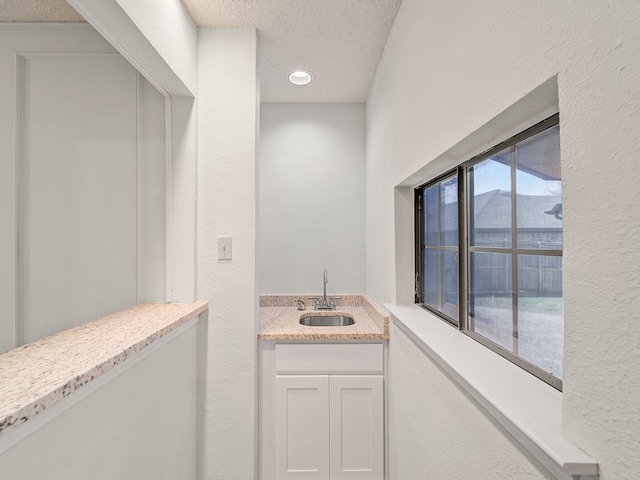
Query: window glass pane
540, 312
449, 276
490, 297
449, 212
539, 199
490, 197
430, 272
430, 208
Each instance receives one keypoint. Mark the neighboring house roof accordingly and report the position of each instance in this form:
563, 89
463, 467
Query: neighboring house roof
492, 210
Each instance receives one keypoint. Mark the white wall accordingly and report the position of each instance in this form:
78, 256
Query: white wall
152, 195
452, 438
83, 172
160, 41
466, 65
227, 122
141, 423
312, 163
183, 199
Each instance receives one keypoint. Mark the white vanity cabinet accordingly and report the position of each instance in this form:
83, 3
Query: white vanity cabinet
322, 411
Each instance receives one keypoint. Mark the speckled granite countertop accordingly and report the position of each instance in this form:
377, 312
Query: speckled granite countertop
37, 375
280, 319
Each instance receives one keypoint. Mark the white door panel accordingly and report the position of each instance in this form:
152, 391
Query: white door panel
79, 201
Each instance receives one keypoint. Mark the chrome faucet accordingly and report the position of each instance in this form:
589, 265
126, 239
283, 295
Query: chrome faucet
325, 304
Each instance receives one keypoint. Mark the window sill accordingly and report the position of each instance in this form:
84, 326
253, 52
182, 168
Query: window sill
526, 407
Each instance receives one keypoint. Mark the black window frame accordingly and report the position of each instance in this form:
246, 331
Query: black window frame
465, 248
421, 248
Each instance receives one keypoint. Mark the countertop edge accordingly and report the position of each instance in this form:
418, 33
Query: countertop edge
12, 418
323, 336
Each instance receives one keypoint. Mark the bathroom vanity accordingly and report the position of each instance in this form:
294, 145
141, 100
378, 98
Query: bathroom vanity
322, 390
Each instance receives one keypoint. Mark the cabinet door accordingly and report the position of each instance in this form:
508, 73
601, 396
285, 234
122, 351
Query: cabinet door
357, 427
302, 427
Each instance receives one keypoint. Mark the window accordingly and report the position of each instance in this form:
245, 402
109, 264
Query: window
489, 249
437, 206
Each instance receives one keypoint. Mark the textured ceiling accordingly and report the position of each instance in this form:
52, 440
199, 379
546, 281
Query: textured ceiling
339, 41
38, 11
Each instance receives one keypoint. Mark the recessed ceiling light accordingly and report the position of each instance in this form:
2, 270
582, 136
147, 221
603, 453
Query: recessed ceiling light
300, 77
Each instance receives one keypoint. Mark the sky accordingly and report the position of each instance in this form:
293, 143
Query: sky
491, 175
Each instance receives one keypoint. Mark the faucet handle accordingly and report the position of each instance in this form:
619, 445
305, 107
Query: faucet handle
333, 300
317, 301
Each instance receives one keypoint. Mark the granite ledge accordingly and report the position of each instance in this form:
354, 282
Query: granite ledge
280, 319
36, 376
